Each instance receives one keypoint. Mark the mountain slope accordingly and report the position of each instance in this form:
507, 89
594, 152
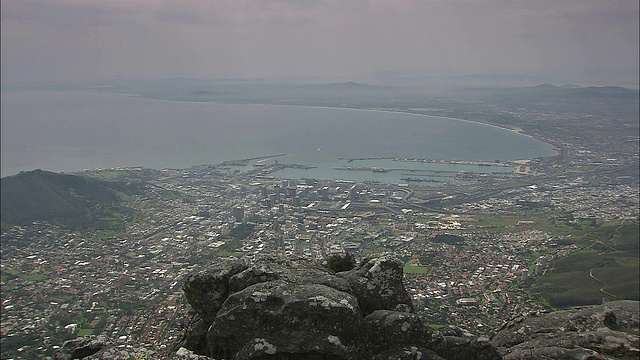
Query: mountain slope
68, 200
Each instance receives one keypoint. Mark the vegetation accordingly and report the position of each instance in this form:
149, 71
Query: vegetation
85, 332
337, 263
72, 201
608, 269
448, 239
416, 269
242, 231
229, 247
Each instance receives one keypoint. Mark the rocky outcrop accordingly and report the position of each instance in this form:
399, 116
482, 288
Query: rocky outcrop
207, 290
275, 308
99, 348
276, 317
608, 331
294, 309
378, 285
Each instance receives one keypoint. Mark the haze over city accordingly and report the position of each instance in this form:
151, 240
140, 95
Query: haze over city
583, 42
343, 179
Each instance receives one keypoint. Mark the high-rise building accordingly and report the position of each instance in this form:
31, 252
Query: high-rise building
353, 194
238, 213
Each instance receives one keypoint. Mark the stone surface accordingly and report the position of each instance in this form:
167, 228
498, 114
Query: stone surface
207, 290
305, 318
295, 309
377, 283
387, 329
291, 270
292, 309
195, 335
410, 353
608, 331
186, 354
99, 348
463, 348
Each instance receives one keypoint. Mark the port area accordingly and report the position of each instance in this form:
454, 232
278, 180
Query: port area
443, 161
245, 162
505, 164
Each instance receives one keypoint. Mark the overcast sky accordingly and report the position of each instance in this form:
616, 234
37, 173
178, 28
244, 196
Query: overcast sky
587, 41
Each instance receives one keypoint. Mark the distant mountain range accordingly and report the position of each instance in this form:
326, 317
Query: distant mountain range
600, 90
346, 85
69, 200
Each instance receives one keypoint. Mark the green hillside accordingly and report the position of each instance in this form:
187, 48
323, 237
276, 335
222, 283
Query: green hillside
606, 270
71, 201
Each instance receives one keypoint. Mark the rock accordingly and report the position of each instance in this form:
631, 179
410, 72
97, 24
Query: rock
278, 318
99, 348
295, 309
195, 335
598, 332
81, 347
378, 285
460, 348
294, 271
186, 354
388, 329
207, 290
452, 330
292, 309
412, 353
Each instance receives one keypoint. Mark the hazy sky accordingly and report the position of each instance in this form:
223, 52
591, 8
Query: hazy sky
588, 41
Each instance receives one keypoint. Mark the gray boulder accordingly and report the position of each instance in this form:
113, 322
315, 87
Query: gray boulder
608, 331
195, 336
378, 285
99, 348
291, 270
276, 318
464, 348
402, 335
387, 329
186, 354
291, 308
207, 290
407, 353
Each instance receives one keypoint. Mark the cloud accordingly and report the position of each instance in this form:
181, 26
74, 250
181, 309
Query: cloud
91, 39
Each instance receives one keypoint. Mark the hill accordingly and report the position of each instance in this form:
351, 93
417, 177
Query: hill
72, 201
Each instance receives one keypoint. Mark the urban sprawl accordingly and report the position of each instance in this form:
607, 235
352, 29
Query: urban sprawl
61, 284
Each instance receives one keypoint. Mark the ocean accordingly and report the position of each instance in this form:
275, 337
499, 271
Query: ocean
71, 131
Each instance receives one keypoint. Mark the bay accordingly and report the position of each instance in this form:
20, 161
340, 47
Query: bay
70, 131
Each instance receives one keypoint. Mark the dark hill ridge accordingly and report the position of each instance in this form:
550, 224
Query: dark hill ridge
346, 86
68, 200
291, 308
579, 90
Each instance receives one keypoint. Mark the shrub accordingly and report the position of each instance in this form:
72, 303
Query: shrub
337, 263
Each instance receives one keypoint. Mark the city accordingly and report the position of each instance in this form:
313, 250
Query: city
470, 264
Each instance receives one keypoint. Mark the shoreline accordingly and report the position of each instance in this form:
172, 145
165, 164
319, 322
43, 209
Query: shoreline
518, 131
514, 129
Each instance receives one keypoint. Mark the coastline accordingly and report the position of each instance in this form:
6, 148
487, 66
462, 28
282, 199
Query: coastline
134, 97
514, 129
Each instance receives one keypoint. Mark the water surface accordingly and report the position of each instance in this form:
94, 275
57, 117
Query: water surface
68, 131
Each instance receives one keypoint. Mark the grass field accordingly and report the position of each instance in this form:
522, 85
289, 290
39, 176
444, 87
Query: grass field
11, 274
36, 277
85, 332
608, 269
416, 269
